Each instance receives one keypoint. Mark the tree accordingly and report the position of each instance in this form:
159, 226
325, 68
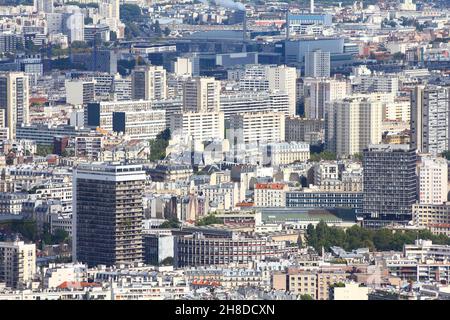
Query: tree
158, 146
209, 219
358, 156
43, 150
170, 224
306, 297
130, 12
156, 28
166, 31
324, 155
446, 154
167, 262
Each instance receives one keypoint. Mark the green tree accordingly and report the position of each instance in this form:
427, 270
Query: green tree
166, 31
324, 155
446, 154
306, 297
43, 150
170, 224
130, 12
167, 262
209, 219
158, 146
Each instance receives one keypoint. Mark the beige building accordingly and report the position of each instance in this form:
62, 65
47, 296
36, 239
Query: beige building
17, 263
199, 126
182, 66
351, 291
201, 94
313, 282
270, 195
303, 129
80, 91
435, 217
14, 101
149, 83
352, 124
399, 110
280, 153
433, 180
257, 127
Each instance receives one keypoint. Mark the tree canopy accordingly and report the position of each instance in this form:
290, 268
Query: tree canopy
357, 237
209, 219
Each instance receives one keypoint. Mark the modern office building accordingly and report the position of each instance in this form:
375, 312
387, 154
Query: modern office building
100, 114
295, 50
17, 264
315, 22
148, 83
14, 101
144, 125
390, 184
430, 113
200, 250
107, 214
44, 133
326, 200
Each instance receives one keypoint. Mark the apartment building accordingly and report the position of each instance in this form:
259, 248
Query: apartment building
257, 127
270, 195
17, 264
200, 126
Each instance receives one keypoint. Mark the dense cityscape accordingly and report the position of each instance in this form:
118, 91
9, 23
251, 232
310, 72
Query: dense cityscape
221, 150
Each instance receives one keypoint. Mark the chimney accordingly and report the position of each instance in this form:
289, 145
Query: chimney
244, 27
287, 24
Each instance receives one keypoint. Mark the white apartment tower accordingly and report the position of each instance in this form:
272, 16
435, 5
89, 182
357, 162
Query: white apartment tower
149, 83
17, 263
200, 126
317, 92
284, 78
14, 101
352, 124
433, 176
430, 107
201, 94
257, 127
